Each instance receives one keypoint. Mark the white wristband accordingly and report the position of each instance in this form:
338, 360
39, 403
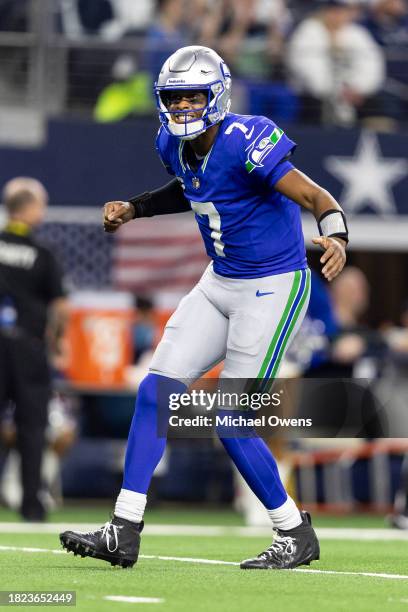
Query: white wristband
333, 223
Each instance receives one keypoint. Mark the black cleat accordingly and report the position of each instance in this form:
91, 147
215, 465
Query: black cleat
117, 542
298, 546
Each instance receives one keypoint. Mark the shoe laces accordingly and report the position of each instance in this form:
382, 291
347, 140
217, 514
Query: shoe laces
107, 530
281, 545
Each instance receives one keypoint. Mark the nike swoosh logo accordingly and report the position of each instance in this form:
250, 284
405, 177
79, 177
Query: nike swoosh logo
248, 136
260, 294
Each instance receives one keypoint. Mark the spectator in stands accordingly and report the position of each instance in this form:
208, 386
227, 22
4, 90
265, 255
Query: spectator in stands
335, 64
165, 35
129, 17
111, 19
350, 301
88, 68
387, 21
144, 329
94, 14
354, 352
33, 312
81, 18
397, 337
91, 69
249, 34
130, 94
225, 25
351, 297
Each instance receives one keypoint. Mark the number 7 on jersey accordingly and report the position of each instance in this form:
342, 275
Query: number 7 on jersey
214, 221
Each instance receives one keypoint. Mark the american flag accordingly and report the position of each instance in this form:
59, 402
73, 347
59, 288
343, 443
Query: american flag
150, 256
161, 254
83, 252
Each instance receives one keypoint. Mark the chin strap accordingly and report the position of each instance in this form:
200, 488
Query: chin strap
181, 129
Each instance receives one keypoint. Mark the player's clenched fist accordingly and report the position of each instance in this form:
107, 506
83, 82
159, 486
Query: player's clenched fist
116, 214
333, 258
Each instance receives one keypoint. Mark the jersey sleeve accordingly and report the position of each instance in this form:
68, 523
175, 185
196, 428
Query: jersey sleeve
265, 151
282, 168
163, 149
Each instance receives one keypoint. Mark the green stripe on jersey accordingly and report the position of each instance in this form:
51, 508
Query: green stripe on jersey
206, 158
276, 135
180, 152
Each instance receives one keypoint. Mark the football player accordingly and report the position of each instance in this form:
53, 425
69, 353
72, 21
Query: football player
235, 172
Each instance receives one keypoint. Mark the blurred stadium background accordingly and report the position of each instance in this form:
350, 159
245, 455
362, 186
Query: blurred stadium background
77, 112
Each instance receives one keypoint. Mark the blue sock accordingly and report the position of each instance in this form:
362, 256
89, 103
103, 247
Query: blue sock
145, 447
256, 463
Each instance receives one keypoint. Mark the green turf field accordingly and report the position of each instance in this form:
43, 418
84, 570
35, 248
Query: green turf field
187, 584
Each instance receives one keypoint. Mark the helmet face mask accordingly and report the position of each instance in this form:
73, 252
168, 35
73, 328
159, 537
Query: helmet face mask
178, 117
193, 69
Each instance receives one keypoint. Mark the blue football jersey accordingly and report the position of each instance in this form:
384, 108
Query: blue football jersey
249, 229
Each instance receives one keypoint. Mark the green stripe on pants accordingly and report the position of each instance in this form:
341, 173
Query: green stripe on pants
278, 331
289, 331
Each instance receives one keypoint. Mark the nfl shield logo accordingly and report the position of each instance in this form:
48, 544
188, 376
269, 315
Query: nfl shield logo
196, 182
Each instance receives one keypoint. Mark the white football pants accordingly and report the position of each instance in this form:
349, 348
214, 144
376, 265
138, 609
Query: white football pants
248, 322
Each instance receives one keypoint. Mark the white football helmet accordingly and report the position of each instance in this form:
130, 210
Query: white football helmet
194, 68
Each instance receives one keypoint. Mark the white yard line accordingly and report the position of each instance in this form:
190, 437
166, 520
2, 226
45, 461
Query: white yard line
303, 571
128, 599
190, 560
218, 562
324, 533
31, 550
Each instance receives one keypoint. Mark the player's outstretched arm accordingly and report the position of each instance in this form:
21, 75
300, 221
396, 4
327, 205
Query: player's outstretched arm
116, 214
166, 200
329, 216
